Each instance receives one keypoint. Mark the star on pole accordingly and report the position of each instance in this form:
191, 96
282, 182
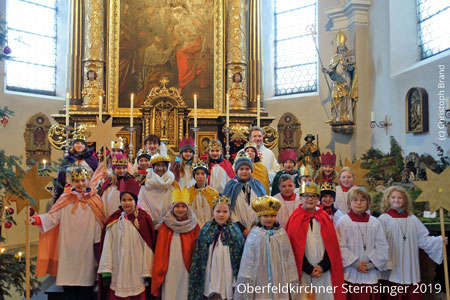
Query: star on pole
34, 185
103, 133
436, 190
358, 171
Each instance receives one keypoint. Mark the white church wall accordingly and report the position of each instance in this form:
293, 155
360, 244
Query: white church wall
25, 106
397, 68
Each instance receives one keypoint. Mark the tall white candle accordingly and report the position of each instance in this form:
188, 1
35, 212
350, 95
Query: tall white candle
258, 108
372, 116
195, 110
131, 109
228, 110
100, 107
67, 109
45, 163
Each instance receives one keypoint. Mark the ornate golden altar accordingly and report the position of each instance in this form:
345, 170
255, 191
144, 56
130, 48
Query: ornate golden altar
117, 48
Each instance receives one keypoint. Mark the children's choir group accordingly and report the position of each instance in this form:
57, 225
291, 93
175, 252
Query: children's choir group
210, 230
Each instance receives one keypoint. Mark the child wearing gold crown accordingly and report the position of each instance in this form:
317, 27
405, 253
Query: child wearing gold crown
201, 194
220, 170
242, 190
364, 249
127, 248
155, 196
268, 259
176, 241
69, 232
143, 158
327, 197
304, 176
289, 199
316, 248
217, 255
288, 159
105, 170
182, 167
80, 155
110, 189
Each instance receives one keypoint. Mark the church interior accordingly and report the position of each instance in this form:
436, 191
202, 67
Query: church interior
366, 81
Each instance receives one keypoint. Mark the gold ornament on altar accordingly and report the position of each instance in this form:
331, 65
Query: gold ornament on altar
358, 172
34, 185
92, 90
436, 190
238, 96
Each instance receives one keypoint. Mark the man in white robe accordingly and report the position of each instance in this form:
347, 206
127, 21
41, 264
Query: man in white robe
267, 157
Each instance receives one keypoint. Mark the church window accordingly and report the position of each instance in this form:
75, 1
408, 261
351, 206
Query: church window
295, 52
31, 67
434, 29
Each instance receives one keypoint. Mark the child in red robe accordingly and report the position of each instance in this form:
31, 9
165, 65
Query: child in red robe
176, 241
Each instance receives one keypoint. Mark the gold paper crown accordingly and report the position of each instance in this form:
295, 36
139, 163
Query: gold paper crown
304, 171
221, 200
241, 154
215, 144
117, 144
79, 173
159, 158
309, 187
144, 152
250, 145
180, 196
266, 206
199, 165
122, 161
328, 186
79, 135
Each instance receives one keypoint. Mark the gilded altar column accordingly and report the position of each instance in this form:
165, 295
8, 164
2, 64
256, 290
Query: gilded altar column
94, 46
75, 52
236, 54
254, 62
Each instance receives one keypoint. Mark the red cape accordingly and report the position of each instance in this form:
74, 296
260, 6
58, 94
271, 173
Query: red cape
145, 230
161, 257
297, 229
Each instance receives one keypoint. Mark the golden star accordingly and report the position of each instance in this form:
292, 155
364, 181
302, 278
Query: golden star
359, 173
103, 133
34, 185
436, 190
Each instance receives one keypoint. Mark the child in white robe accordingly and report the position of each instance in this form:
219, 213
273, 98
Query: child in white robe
327, 196
110, 189
363, 246
182, 167
201, 194
156, 195
127, 249
268, 259
288, 198
176, 241
345, 184
220, 170
405, 234
217, 255
69, 232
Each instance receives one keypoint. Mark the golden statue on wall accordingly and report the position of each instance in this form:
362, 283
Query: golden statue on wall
92, 90
343, 72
